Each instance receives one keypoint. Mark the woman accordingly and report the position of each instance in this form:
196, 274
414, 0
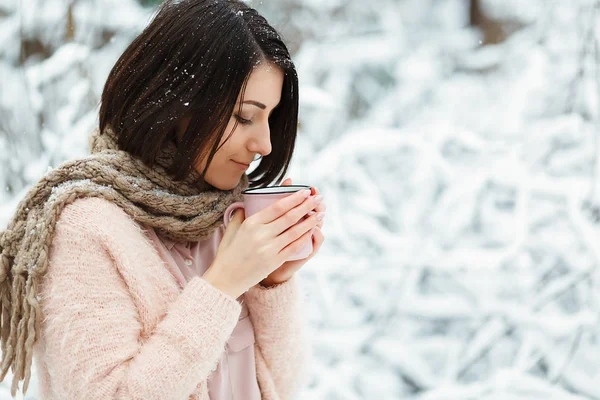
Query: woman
117, 272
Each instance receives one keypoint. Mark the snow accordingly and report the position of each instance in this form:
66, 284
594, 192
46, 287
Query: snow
461, 182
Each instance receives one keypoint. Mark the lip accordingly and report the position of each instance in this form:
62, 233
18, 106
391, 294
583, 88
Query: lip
240, 165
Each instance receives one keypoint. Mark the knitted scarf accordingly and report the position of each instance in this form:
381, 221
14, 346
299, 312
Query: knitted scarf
181, 211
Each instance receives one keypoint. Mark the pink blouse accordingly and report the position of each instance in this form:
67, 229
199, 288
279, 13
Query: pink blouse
235, 376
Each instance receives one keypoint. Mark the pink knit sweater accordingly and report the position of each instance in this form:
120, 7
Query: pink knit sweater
235, 376
116, 324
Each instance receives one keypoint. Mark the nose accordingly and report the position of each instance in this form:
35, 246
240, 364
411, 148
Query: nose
260, 141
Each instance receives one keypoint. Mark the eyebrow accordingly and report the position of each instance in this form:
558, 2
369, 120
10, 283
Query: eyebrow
256, 103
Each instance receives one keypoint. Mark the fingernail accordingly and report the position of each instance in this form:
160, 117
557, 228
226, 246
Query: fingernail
318, 198
320, 216
311, 213
306, 193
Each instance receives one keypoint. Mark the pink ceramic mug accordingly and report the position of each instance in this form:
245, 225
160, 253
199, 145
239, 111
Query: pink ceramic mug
258, 198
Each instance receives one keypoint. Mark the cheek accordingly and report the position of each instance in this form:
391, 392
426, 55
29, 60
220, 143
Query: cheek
229, 129
228, 148
236, 144
220, 161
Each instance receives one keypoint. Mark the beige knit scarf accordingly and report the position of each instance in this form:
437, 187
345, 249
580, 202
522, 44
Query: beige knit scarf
181, 211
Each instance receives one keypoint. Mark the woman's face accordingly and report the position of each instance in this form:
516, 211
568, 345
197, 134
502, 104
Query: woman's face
251, 136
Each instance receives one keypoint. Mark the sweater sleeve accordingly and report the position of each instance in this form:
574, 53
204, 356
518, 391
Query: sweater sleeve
281, 336
92, 334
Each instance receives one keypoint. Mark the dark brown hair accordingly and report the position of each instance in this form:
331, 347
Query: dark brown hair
192, 61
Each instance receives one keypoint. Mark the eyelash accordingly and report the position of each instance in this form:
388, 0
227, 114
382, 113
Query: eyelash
243, 120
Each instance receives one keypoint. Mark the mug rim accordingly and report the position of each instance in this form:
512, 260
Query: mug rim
249, 191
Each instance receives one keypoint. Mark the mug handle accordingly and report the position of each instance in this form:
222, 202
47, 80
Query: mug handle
230, 209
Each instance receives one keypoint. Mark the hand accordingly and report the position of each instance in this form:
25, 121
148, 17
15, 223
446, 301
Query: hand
288, 268
253, 247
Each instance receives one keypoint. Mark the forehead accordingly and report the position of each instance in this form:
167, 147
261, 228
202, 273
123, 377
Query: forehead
264, 84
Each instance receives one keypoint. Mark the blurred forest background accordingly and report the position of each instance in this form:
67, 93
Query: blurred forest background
456, 143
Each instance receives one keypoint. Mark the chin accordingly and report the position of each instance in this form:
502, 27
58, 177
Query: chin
223, 184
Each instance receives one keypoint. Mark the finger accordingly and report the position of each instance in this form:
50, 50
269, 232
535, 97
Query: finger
296, 231
321, 207
293, 216
318, 209
296, 245
232, 227
287, 182
318, 239
281, 207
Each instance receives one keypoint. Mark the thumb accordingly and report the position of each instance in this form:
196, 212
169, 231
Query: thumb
232, 227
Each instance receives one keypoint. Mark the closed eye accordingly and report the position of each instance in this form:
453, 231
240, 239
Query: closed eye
242, 120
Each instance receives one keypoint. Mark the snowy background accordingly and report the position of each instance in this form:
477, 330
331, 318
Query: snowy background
458, 156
